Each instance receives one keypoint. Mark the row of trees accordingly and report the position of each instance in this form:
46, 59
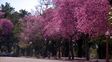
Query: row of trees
59, 24
67, 20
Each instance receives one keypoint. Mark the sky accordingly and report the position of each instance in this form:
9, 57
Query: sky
22, 4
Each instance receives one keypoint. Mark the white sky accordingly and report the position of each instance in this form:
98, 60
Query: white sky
21, 4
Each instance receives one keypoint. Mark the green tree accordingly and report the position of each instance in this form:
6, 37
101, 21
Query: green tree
7, 9
23, 12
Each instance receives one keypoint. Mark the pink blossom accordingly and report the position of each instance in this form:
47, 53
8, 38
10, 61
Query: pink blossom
31, 27
6, 26
93, 17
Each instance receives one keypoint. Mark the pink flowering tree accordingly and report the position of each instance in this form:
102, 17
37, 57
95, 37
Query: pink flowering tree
70, 16
30, 28
61, 21
6, 26
31, 33
6, 29
93, 21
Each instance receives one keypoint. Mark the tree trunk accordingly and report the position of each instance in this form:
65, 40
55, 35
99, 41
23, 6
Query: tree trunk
71, 54
59, 52
87, 51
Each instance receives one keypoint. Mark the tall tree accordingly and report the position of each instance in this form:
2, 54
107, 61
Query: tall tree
62, 24
7, 9
93, 21
6, 27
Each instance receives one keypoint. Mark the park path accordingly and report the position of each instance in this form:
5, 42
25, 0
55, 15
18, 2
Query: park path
23, 59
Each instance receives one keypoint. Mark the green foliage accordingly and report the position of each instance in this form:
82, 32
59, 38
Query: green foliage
11, 14
23, 13
7, 9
